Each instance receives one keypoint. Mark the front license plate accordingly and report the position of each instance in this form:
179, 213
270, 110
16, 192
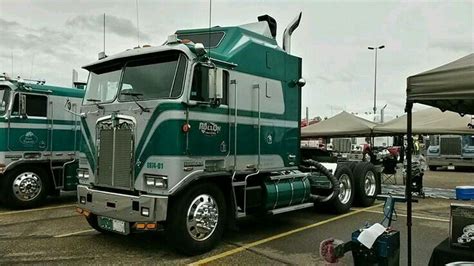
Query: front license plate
113, 225
450, 167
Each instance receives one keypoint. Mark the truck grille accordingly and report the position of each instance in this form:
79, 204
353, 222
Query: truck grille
115, 154
342, 145
450, 146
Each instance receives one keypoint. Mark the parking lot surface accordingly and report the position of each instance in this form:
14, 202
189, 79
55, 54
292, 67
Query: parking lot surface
57, 234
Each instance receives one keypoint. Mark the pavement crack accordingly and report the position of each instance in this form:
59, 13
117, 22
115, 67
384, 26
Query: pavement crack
38, 220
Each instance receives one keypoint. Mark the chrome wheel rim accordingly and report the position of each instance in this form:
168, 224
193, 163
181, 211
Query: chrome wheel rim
202, 218
370, 185
345, 191
27, 186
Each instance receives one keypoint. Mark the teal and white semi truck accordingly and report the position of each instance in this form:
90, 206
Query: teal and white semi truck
39, 141
198, 132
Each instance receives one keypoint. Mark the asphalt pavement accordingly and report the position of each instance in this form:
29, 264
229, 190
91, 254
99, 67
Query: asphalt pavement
56, 234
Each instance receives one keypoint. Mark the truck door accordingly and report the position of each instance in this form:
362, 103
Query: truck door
209, 120
28, 124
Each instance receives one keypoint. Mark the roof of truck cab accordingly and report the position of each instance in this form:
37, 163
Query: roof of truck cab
248, 48
51, 90
137, 52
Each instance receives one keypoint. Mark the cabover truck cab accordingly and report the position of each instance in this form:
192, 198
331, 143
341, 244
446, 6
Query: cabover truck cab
192, 134
39, 141
451, 151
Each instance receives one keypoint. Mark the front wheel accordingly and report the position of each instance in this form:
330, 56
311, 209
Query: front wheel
196, 219
26, 188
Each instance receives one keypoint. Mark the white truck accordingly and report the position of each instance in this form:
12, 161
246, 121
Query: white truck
450, 151
200, 131
39, 141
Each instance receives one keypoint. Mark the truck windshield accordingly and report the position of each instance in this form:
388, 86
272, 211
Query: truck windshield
4, 99
153, 78
102, 85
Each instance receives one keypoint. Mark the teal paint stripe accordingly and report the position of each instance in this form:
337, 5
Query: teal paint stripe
159, 109
284, 141
3, 139
89, 150
200, 108
52, 90
63, 140
38, 121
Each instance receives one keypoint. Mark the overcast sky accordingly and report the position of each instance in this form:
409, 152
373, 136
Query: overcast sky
49, 38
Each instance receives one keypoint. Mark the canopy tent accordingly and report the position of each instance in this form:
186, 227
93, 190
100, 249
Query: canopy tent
428, 121
340, 125
448, 87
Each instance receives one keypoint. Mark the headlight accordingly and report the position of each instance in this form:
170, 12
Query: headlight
82, 173
156, 181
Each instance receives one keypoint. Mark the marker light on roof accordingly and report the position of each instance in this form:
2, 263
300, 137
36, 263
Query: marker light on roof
173, 38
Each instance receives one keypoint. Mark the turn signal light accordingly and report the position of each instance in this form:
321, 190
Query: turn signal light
146, 226
86, 213
151, 226
186, 127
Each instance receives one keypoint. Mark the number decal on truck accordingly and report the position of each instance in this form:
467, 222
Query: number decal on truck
154, 165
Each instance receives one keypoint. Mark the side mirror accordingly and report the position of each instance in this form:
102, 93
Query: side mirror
22, 105
216, 89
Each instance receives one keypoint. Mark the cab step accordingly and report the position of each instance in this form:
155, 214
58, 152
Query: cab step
291, 208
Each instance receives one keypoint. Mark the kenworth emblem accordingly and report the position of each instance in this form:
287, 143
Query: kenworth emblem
209, 128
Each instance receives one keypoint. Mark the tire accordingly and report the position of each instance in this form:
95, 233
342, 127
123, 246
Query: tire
367, 184
433, 167
343, 202
182, 231
350, 164
26, 187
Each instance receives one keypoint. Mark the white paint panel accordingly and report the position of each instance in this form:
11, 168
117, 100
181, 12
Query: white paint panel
248, 87
38, 126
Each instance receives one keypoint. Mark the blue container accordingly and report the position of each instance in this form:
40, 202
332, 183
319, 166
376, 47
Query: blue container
384, 252
465, 192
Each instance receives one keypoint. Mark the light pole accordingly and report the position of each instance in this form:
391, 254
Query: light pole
375, 78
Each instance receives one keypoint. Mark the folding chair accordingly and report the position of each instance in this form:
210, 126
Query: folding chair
389, 171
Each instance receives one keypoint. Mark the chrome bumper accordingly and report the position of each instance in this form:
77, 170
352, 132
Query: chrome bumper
122, 207
442, 161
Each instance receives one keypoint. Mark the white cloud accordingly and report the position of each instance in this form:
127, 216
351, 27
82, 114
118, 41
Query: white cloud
332, 39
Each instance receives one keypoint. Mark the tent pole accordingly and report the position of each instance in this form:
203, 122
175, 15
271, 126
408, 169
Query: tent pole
408, 184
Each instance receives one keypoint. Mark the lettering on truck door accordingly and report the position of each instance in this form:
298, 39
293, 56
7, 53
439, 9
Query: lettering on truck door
209, 121
29, 131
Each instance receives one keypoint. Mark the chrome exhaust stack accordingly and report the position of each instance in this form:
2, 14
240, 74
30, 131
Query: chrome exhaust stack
288, 31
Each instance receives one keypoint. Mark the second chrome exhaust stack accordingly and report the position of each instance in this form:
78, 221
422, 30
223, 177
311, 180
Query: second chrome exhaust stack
288, 31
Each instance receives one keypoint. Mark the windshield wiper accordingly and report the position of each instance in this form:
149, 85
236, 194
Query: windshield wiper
135, 96
96, 102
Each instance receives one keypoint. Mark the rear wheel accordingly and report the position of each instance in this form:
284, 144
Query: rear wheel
196, 219
26, 188
367, 184
433, 167
343, 202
